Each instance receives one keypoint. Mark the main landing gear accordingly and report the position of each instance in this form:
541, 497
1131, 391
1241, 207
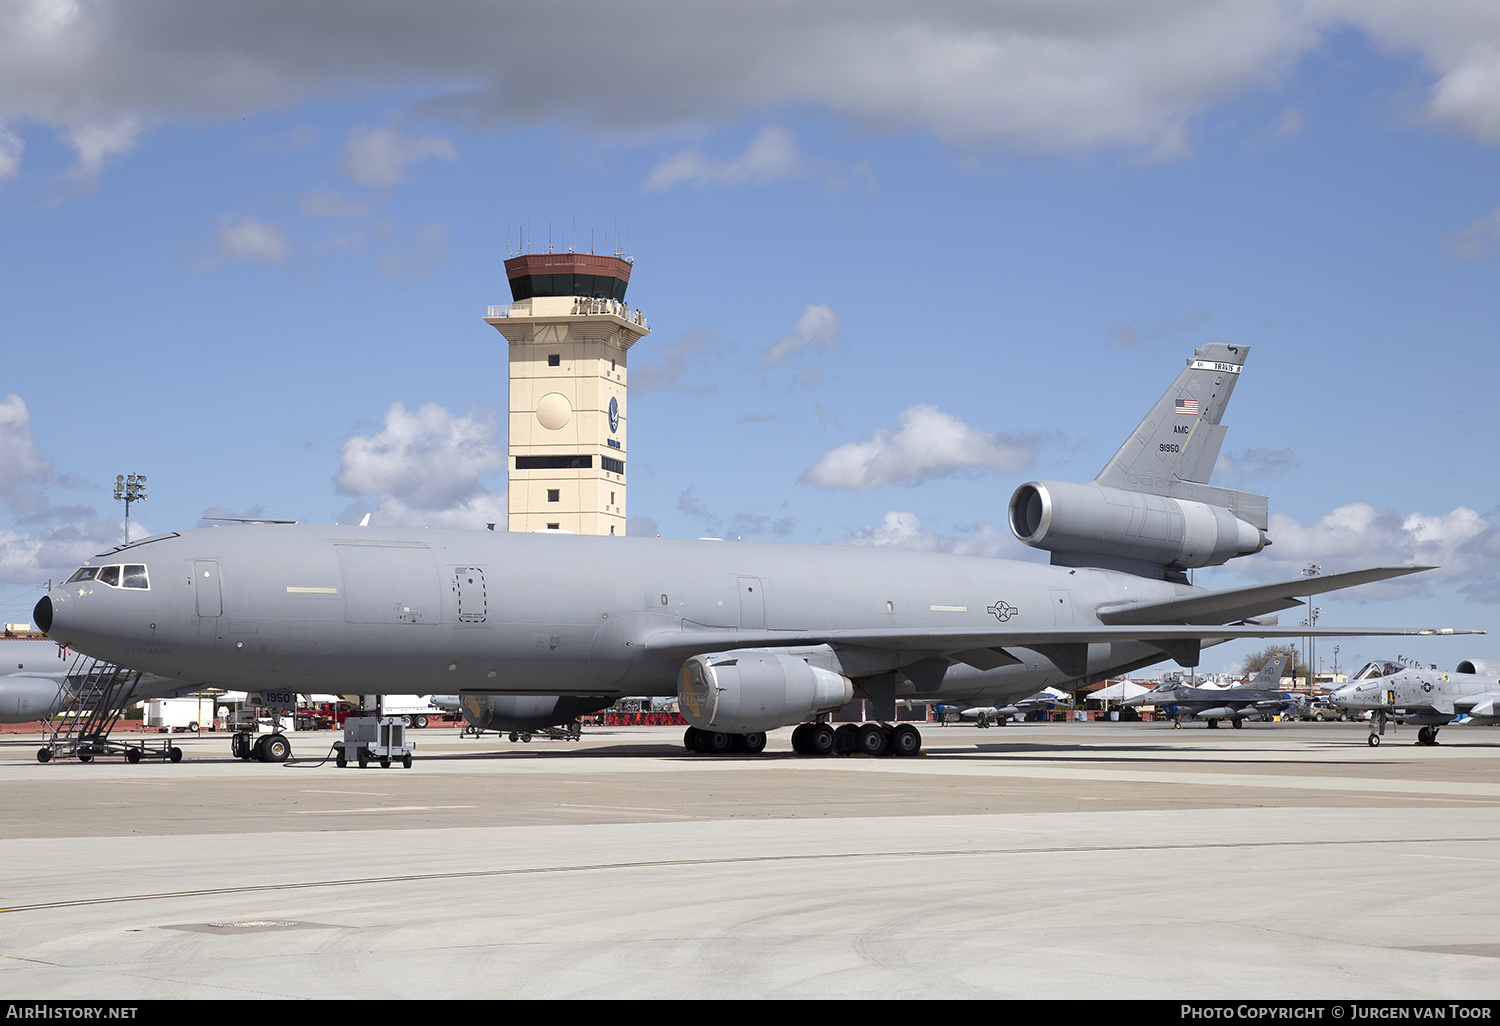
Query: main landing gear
861, 738
718, 742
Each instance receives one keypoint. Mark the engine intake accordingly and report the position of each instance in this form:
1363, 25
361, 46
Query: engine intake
1096, 520
750, 690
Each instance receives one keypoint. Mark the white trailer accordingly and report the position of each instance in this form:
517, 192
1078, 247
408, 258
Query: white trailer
415, 710
190, 712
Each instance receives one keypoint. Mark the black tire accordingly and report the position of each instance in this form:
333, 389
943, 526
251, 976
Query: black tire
690, 739
716, 742
175, 755
275, 748
871, 739
1238, 723
419, 721
385, 763
84, 757
845, 738
799, 738
525, 739
44, 755
1374, 740
133, 756
364, 758
754, 743
340, 761
904, 740
1213, 724
406, 761
820, 739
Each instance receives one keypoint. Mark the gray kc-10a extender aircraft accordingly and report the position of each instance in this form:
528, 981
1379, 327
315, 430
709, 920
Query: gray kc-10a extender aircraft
537, 629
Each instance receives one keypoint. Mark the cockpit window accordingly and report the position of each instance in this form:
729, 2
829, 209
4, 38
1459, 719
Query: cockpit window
135, 576
109, 575
83, 573
1379, 668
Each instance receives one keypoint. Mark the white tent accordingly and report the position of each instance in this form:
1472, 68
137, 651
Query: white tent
1117, 692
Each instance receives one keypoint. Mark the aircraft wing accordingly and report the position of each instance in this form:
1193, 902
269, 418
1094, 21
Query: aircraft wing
1253, 600
1179, 641
1485, 705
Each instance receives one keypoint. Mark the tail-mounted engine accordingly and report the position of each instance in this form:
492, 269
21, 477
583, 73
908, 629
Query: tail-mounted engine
1093, 524
753, 690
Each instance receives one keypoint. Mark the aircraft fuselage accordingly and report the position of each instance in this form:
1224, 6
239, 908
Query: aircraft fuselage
364, 610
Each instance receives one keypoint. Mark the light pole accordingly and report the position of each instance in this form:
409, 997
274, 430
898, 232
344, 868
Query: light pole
127, 490
1313, 570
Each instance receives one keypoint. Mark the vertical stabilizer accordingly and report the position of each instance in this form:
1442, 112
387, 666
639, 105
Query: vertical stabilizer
1271, 673
1173, 450
1179, 439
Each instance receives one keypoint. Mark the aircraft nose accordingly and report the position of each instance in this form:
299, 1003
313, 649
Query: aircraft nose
42, 614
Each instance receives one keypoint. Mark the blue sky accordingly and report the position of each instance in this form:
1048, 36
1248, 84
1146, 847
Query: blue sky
897, 260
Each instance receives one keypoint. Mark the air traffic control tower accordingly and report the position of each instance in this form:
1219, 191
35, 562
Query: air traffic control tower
569, 331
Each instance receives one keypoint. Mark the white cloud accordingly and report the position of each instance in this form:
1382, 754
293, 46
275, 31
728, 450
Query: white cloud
688, 351
379, 156
471, 514
903, 530
1475, 240
23, 470
929, 443
1033, 75
250, 238
1457, 40
818, 326
426, 464
771, 156
1463, 543
11, 146
96, 143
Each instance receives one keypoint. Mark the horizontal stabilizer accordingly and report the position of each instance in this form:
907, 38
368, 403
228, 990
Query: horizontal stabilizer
1233, 604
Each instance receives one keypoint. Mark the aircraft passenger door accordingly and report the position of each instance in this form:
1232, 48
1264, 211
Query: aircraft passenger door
752, 604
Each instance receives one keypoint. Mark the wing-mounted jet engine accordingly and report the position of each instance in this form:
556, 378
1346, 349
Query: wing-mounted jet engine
744, 693
1151, 510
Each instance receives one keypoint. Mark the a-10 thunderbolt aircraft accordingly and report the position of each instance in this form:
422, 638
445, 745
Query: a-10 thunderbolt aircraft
1428, 698
1257, 698
750, 637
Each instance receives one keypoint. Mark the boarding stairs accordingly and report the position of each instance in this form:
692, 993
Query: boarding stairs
98, 693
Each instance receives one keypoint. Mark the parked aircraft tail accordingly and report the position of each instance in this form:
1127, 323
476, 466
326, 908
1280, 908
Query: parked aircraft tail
1151, 510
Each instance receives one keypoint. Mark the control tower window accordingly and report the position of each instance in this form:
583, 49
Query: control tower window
554, 360
553, 495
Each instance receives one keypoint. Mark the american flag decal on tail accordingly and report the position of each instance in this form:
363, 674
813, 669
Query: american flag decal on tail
1187, 407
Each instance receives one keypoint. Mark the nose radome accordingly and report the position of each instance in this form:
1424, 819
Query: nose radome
42, 614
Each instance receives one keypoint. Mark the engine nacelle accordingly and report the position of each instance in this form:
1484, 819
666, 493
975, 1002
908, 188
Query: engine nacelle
1483, 667
526, 712
750, 690
23, 699
1095, 520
